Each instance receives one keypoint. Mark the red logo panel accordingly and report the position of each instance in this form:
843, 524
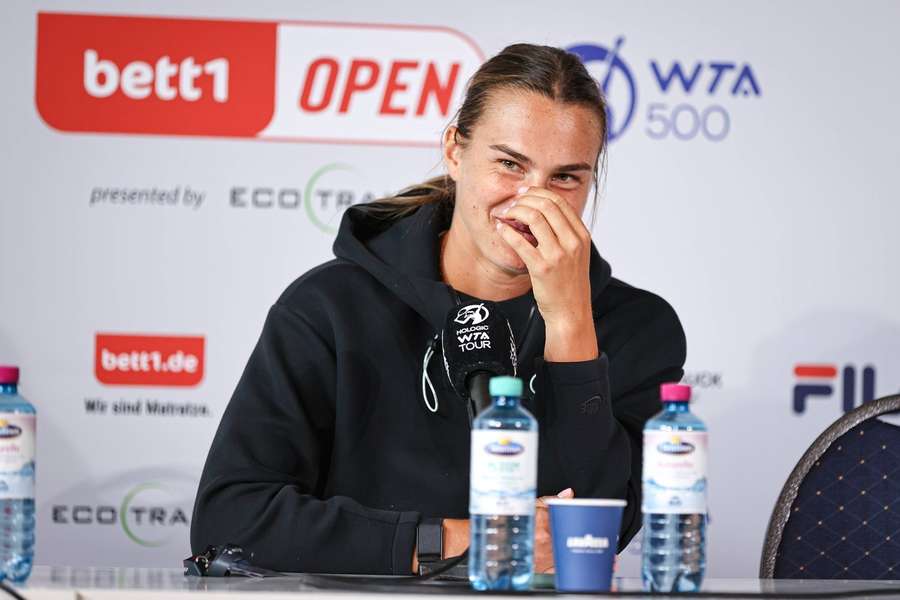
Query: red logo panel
155, 75
148, 360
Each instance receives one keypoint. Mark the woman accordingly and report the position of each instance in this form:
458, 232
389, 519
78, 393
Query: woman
333, 454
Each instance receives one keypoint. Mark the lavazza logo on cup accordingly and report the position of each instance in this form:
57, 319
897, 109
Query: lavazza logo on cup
295, 80
587, 543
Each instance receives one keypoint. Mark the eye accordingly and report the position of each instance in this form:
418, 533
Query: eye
508, 164
567, 179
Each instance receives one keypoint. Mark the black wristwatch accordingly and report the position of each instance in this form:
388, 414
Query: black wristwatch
429, 542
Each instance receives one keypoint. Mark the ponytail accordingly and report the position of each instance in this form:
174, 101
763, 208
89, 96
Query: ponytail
437, 190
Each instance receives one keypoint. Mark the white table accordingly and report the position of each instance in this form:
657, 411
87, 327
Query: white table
75, 583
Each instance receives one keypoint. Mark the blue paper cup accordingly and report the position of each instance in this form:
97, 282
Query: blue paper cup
585, 534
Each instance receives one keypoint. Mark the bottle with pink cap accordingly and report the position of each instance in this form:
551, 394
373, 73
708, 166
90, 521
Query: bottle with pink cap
17, 430
674, 495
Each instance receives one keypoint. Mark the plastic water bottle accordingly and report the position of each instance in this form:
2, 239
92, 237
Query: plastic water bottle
502, 490
17, 429
674, 498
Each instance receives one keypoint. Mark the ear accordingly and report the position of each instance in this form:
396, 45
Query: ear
451, 152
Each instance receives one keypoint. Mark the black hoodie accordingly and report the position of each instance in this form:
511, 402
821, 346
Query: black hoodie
326, 458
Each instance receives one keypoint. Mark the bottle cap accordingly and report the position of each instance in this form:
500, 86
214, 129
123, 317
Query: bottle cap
505, 386
674, 392
9, 374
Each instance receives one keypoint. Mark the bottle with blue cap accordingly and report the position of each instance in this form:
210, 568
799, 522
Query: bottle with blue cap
502, 491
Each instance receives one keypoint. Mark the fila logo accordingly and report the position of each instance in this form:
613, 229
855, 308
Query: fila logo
290, 81
818, 381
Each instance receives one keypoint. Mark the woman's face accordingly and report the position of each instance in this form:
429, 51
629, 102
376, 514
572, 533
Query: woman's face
522, 139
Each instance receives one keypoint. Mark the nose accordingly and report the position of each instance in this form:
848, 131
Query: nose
537, 178
532, 179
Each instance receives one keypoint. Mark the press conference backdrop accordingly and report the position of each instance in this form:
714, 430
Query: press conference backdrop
169, 167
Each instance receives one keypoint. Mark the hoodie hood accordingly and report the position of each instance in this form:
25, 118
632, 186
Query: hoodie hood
404, 256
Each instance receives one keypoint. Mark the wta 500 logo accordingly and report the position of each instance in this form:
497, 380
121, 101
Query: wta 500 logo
148, 360
303, 81
703, 86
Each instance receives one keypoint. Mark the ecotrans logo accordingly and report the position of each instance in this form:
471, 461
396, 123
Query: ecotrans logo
330, 190
289, 80
148, 360
820, 380
505, 447
688, 99
149, 514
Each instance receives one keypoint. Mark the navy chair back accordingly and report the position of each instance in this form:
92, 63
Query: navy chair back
838, 515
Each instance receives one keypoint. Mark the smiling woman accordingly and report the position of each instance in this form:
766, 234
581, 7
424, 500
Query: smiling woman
330, 457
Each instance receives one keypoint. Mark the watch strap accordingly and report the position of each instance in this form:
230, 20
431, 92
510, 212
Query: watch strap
429, 540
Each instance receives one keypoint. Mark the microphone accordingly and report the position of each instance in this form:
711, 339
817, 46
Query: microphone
478, 343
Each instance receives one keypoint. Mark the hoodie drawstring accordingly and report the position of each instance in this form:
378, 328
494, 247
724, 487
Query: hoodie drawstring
429, 352
426, 381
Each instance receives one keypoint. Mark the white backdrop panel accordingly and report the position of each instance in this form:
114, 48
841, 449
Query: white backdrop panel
759, 200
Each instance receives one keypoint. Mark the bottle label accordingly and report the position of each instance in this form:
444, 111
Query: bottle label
504, 472
16, 456
674, 473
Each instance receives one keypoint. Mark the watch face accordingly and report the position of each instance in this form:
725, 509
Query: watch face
429, 541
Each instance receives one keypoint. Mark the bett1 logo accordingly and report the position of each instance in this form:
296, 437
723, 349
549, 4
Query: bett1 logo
294, 81
149, 360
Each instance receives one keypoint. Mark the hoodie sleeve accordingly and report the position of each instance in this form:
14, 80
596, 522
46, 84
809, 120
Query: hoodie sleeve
264, 479
597, 436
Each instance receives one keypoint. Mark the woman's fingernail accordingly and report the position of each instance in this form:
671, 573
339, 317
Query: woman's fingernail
566, 493
522, 190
